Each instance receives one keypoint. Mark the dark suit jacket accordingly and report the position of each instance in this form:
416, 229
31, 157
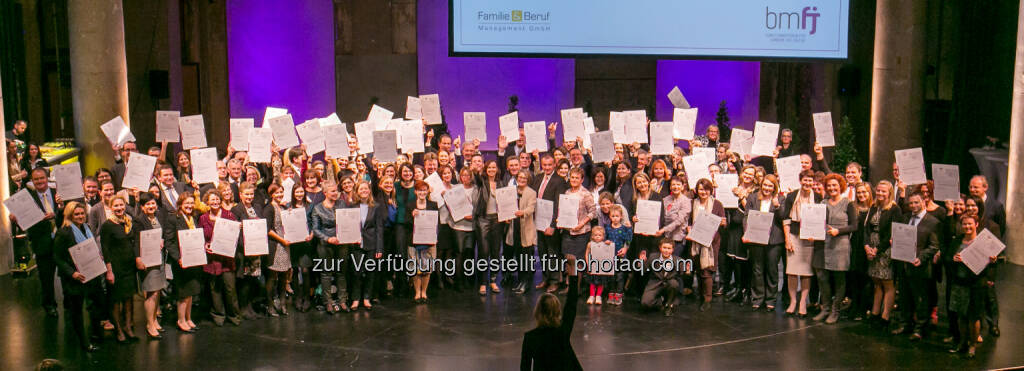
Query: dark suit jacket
787, 208
555, 187
373, 228
754, 203
549, 348
180, 188
62, 243
40, 235
884, 227
995, 212
175, 223
927, 244
661, 275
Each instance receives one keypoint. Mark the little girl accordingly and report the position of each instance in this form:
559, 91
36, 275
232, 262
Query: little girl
597, 280
621, 235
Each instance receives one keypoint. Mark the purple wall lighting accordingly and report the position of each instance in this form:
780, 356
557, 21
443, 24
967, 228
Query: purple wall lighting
544, 86
281, 54
707, 83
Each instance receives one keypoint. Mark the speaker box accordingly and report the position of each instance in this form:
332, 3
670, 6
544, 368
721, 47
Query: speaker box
159, 84
849, 80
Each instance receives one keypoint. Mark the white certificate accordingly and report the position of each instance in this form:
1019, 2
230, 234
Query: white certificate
296, 228
458, 204
568, 211
588, 128
508, 202
283, 128
723, 192
911, 164
509, 125
385, 145
823, 129
270, 113
741, 140
789, 172
543, 214
412, 109
766, 135
331, 119
617, 125
138, 172
261, 144
536, 136
431, 105
662, 141
947, 182
684, 123
167, 126
347, 227
904, 242
696, 167
678, 100
379, 115
193, 131
192, 246
436, 187
976, 255
287, 184
240, 133
705, 225
602, 258
117, 131
204, 165
88, 261
150, 242
225, 237
648, 215
709, 154
475, 126
312, 136
759, 226
812, 222
572, 124
336, 140
69, 180
424, 227
636, 126
411, 135
364, 136
255, 240
603, 146
22, 205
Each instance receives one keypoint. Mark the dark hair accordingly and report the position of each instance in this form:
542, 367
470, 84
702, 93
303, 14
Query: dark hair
979, 203
145, 197
807, 174
667, 240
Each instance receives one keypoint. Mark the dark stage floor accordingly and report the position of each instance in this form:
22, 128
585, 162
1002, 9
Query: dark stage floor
463, 331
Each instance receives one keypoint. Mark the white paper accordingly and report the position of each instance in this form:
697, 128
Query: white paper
69, 180
458, 203
662, 140
572, 124
424, 227
710, 154
509, 125
347, 225
976, 255
648, 215
759, 226
568, 211
336, 140
705, 225
436, 187
911, 164
270, 113
193, 131
240, 129
617, 125
296, 227
604, 146
331, 119
385, 144
225, 237
255, 239
696, 167
117, 131
312, 136
678, 100
204, 165
150, 242
412, 109
475, 126
287, 185
602, 258
22, 205
723, 192
741, 140
536, 136
636, 126
588, 128
364, 136
684, 121
88, 260
379, 114
167, 126
192, 245
543, 214
789, 172
812, 222
283, 128
823, 129
260, 144
508, 202
766, 135
431, 105
138, 172
947, 182
904, 242
411, 136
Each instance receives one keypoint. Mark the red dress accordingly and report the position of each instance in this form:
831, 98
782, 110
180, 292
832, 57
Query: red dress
216, 264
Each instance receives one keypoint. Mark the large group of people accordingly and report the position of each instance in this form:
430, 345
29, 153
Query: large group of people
850, 275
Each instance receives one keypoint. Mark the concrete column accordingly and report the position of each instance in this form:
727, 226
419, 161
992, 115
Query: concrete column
99, 75
33, 72
1015, 188
6, 243
897, 86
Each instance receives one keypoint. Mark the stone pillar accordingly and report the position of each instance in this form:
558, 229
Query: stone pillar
1015, 188
897, 88
99, 75
6, 241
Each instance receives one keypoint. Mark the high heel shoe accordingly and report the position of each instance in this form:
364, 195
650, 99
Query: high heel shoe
495, 289
188, 331
154, 337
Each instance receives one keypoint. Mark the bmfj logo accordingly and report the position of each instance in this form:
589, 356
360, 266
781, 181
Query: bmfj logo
792, 20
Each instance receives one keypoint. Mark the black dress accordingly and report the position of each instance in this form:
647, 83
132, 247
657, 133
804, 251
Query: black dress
549, 348
119, 252
186, 280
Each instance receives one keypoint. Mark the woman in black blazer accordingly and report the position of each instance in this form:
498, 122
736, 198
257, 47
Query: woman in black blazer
154, 279
77, 291
372, 217
186, 280
548, 347
423, 254
249, 267
765, 259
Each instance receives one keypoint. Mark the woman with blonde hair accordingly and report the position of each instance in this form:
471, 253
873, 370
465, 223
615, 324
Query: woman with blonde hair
78, 293
118, 237
547, 347
877, 237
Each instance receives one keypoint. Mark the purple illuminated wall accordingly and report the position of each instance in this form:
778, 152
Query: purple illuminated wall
281, 54
705, 84
544, 86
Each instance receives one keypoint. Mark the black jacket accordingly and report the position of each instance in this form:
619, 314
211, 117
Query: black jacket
549, 348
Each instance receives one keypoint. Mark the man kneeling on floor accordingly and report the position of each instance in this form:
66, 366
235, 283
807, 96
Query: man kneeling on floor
665, 271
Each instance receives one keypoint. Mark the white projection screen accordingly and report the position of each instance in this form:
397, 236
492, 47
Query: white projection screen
815, 29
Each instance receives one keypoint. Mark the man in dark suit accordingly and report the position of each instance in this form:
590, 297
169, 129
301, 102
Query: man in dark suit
913, 277
119, 168
222, 177
548, 186
170, 189
40, 236
666, 271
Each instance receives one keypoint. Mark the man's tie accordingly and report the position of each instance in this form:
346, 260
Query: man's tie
172, 196
543, 185
914, 220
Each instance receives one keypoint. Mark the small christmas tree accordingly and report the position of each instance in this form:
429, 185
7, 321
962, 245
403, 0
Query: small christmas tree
845, 150
722, 119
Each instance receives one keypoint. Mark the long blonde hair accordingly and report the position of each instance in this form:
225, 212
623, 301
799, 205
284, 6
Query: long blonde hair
69, 212
891, 201
548, 311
